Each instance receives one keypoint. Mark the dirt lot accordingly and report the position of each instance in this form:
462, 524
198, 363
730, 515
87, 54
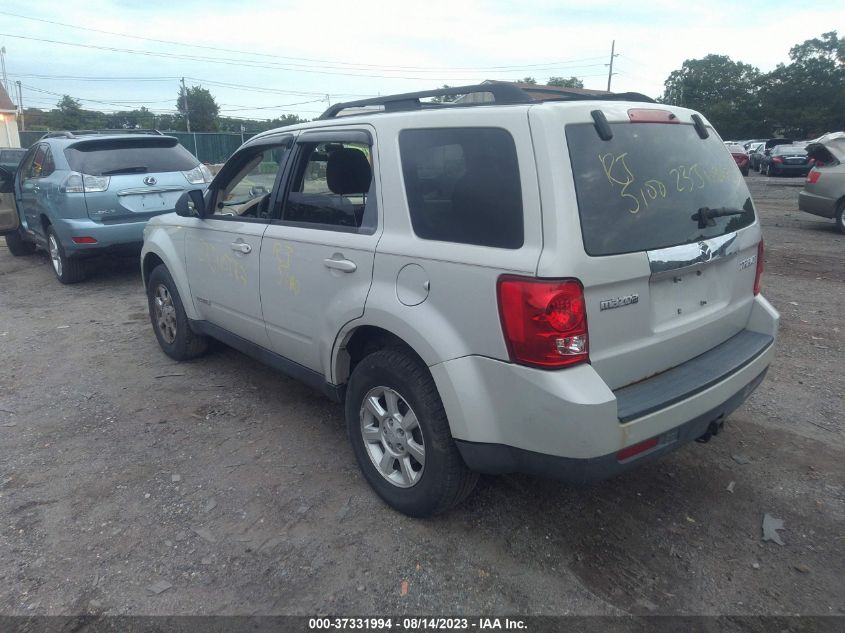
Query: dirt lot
232, 489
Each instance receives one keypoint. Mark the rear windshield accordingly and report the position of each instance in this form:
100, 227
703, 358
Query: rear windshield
638, 191
109, 157
789, 150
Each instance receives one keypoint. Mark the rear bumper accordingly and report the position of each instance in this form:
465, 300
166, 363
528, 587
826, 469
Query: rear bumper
817, 205
792, 170
497, 459
570, 425
118, 238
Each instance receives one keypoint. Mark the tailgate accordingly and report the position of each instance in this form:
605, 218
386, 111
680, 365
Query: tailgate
132, 178
662, 284
135, 196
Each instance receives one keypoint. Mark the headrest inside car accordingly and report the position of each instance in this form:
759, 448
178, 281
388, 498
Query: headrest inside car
348, 171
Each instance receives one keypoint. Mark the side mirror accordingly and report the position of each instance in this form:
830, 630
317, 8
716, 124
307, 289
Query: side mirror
768, 152
191, 204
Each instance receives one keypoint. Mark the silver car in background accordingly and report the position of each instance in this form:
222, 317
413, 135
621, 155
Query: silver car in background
824, 189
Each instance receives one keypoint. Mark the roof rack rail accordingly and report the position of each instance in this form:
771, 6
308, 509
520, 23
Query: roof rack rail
78, 133
504, 93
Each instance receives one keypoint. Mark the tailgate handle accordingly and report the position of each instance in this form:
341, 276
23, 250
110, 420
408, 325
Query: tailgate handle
241, 247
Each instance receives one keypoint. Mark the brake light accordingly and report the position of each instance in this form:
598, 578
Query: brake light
759, 274
777, 159
651, 115
544, 322
82, 183
198, 175
813, 177
83, 240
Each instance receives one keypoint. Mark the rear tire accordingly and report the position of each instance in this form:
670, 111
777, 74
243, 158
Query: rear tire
69, 270
840, 216
18, 246
167, 315
409, 456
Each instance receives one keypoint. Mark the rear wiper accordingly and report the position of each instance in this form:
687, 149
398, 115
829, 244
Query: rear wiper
705, 216
140, 169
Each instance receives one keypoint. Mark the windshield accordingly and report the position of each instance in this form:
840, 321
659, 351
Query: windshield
129, 156
640, 190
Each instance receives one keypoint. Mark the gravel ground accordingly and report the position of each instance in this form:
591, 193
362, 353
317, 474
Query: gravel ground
130, 484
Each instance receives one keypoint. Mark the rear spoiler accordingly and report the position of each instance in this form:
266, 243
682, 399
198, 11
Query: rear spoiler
93, 144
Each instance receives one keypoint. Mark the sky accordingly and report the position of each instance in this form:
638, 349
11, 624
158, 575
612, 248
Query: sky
265, 59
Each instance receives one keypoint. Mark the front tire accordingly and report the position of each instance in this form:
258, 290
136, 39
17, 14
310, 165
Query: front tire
170, 323
69, 270
400, 435
18, 246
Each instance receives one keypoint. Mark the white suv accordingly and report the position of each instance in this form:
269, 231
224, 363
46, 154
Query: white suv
565, 288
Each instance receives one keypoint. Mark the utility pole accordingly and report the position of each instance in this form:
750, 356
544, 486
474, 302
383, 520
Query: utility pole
20, 104
185, 105
3, 67
610, 69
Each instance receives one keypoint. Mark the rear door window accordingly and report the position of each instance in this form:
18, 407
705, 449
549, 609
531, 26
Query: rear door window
110, 157
639, 190
463, 185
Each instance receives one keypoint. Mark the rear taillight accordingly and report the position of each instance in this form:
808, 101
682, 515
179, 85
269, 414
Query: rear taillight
83, 239
758, 277
777, 159
198, 175
544, 322
813, 177
82, 183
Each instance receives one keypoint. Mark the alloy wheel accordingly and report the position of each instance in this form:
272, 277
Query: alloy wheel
165, 313
55, 255
392, 437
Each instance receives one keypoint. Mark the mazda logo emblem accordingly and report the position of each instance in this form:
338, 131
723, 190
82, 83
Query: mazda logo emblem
149, 180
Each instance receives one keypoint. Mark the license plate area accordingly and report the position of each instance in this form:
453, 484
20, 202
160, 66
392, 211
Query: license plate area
682, 295
149, 202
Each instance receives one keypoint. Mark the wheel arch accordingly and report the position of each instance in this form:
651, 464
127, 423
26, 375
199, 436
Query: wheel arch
363, 339
160, 248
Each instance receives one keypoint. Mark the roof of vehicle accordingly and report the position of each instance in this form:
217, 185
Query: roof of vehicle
496, 93
503, 94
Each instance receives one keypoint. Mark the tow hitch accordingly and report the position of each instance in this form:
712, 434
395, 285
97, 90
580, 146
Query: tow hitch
713, 429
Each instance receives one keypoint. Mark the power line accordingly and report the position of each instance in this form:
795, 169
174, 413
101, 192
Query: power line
325, 62
248, 63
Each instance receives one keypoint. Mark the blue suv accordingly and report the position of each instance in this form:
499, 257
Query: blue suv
82, 194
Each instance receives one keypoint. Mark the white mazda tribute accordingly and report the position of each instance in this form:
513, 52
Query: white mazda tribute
567, 287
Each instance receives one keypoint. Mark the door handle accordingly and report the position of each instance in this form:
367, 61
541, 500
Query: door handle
241, 247
344, 265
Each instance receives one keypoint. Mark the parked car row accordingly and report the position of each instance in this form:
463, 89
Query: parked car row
483, 293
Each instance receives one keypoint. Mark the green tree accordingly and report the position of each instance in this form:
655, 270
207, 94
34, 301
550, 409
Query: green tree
527, 80
563, 82
68, 116
201, 108
724, 90
445, 98
806, 97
